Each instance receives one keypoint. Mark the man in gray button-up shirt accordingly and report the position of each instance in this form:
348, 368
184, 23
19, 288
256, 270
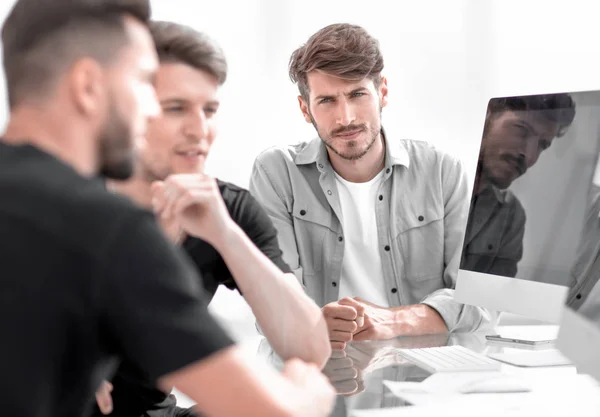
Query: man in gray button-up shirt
420, 206
516, 132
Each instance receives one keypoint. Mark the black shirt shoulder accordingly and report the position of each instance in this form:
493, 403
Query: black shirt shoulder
247, 212
244, 209
40, 190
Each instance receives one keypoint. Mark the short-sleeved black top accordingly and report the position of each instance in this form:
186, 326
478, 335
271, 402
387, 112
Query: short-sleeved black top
87, 278
133, 393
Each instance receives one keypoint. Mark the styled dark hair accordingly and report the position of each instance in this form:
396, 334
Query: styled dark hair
558, 108
42, 38
343, 50
179, 43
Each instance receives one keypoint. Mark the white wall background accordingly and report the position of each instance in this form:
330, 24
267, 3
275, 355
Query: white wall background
444, 59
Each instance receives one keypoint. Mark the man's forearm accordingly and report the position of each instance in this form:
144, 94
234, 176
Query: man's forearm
259, 390
388, 323
417, 319
291, 321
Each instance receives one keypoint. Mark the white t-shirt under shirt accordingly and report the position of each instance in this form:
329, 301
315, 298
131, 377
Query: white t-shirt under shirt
362, 274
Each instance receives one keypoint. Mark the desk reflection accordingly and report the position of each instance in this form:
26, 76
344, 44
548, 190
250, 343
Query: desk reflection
358, 372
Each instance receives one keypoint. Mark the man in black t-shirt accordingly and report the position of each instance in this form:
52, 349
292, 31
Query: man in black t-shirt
88, 278
246, 256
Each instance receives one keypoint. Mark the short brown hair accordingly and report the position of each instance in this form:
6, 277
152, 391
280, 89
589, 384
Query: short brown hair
42, 38
558, 108
343, 50
179, 43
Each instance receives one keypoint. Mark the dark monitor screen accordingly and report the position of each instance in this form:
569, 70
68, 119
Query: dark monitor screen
536, 196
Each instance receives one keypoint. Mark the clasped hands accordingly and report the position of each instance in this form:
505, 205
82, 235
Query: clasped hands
356, 319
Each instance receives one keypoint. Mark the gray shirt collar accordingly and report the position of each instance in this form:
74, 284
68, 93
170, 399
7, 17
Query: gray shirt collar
316, 152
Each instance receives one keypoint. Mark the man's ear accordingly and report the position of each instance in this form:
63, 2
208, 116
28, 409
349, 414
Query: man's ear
304, 109
87, 85
383, 92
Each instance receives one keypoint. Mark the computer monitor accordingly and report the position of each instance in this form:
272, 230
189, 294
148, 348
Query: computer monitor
579, 335
532, 187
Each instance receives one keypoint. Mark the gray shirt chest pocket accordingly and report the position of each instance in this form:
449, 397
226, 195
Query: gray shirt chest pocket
314, 231
420, 242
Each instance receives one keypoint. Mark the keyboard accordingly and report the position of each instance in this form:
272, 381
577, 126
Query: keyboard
449, 359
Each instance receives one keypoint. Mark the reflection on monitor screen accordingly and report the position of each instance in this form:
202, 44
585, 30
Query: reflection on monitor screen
532, 205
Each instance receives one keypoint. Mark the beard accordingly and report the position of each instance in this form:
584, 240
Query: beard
500, 180
351, 150
116, 147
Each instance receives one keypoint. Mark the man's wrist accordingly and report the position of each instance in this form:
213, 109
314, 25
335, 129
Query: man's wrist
400, 323
228, 234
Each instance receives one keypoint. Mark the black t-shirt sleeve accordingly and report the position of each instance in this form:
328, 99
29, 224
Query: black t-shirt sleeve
255, 222
151, 302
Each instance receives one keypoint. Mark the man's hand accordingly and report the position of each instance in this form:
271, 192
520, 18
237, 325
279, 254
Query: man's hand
196, 202
104, 399
380, 323
343, 374
347, 368
373, 355
343, 318
310, 380
387, 323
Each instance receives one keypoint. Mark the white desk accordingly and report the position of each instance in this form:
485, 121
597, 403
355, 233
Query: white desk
365, 395
359, 372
